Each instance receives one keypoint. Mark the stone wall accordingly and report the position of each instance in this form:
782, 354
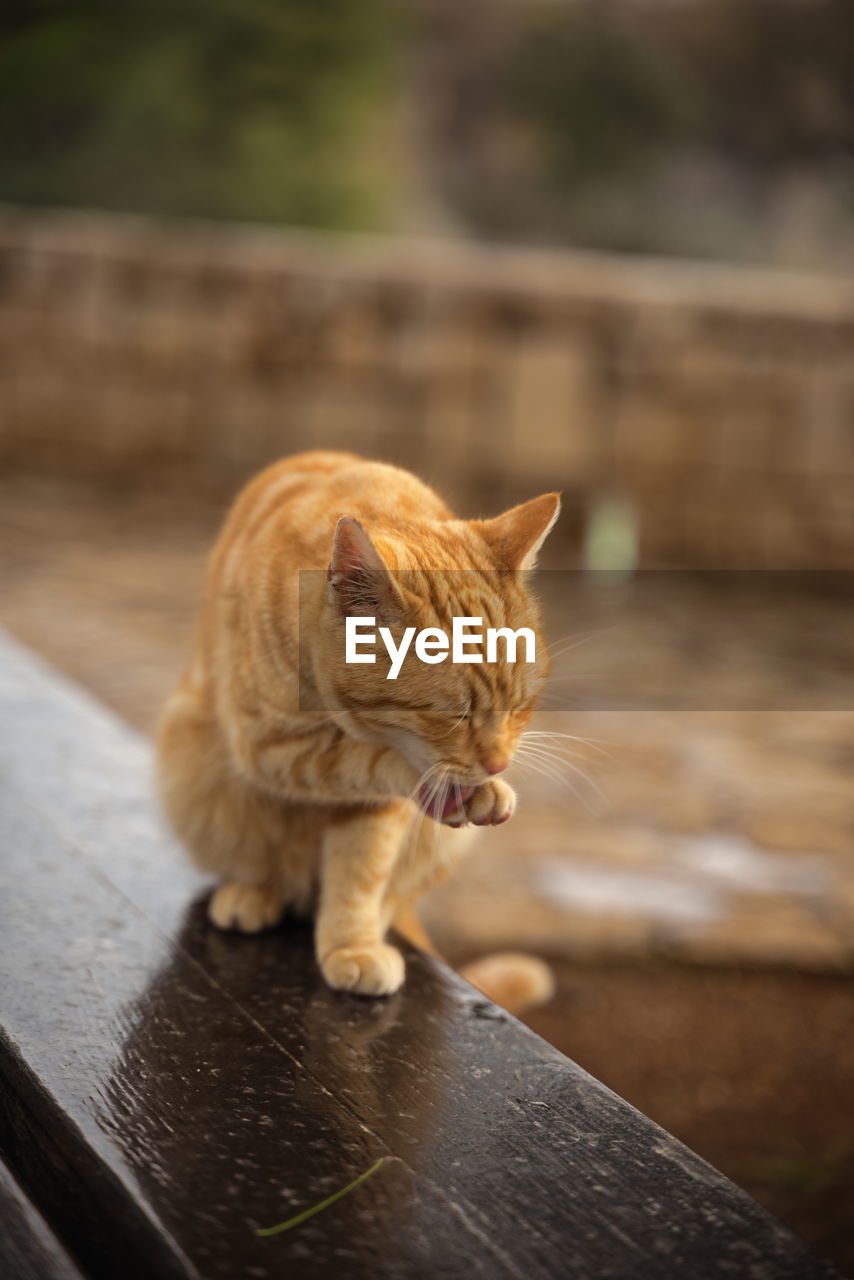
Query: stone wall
720, 401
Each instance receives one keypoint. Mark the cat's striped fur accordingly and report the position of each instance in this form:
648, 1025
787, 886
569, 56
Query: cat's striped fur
309, 784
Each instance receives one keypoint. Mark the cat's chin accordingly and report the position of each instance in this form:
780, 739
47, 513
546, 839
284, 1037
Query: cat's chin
454, 800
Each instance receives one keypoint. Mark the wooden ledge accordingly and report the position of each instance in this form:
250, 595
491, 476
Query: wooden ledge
168, 1089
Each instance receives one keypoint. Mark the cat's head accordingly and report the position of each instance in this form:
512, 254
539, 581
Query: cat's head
462, 719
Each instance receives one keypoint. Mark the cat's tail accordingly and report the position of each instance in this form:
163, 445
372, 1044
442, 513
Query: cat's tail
515, 981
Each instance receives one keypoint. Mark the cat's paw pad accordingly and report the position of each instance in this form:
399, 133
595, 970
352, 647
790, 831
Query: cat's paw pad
367, 971
490, 804
244, 907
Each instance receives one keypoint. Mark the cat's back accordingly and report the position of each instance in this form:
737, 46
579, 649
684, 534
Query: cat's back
283, 521
285, 484
293, 505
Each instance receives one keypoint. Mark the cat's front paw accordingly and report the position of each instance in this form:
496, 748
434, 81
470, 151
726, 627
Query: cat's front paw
244, 907
367, 971
488, 805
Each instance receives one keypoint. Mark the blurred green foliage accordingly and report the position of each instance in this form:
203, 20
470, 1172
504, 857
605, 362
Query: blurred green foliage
715, 127
251, 109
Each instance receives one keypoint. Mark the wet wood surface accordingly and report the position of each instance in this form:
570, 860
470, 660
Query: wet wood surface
28, 1248
166, 1089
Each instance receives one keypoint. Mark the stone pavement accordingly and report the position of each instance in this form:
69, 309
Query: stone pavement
711, 836
716, 837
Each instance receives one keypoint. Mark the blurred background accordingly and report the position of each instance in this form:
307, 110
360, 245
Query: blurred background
605, 247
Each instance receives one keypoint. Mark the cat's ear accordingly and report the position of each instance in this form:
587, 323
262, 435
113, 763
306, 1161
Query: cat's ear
359, 583
517, 535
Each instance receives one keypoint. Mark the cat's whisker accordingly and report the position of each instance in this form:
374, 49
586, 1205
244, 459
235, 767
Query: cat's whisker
551, 778
439, 806
571, 637
422, 781
431, 781
558, 733
417, 829
455, 725
556, 746
524, 763
560, 755
417, 826
577, 796
553, 737
437, 791
543, 768
576, 641
443, 796
557, 750
559, 763
547, 767
433, 775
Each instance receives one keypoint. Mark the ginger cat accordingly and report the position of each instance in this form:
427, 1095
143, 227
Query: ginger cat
306, 783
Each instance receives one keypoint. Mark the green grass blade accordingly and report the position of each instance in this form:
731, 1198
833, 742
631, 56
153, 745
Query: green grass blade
324, 1204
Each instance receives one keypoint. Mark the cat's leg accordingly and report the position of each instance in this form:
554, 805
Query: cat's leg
277, 866
248, 908
227, 826
359, 855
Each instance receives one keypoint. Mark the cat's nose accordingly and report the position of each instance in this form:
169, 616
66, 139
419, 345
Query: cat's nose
496, 764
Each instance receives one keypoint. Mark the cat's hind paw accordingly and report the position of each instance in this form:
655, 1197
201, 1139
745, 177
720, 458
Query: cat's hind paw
245, 907
366, 971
